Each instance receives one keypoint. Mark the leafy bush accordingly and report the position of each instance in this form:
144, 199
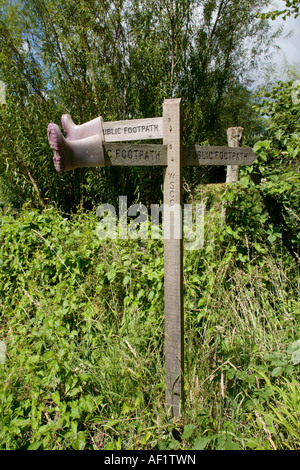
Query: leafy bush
69, 303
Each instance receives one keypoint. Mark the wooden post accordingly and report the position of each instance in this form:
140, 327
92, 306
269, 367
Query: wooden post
173, 256
234, 139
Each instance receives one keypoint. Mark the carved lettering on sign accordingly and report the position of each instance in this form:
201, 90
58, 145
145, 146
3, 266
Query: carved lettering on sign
135, 129
237, 157
138, 154
130, 130
172, 188
134, 154
112, 131
218, 156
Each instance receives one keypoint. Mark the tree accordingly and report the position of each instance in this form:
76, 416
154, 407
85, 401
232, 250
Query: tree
24, 84
120, 60
229, 41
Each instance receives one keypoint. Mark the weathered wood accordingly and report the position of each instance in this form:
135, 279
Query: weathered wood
133, 129
173, 257
121, 154
222, 156
234, 138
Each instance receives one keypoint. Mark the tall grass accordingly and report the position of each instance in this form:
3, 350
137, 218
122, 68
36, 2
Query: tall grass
244, 331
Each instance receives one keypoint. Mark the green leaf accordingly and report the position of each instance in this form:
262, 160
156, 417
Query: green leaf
75, 411
2, 352
111, 423
229, 445
75, 391
111, 274
272, 238
200, 443
79, 443
20, 422
277, 371
252, 443
296, 357
230, 196
259, 248
187, 431
293, 347
86, 404
140, 293
35, 445
55, 397
126, 408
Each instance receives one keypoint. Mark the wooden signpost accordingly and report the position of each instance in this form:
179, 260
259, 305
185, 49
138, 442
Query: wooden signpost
172, 157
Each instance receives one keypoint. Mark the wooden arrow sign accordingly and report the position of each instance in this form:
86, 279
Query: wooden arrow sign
156, 155
196, 155
133, 129
120, 154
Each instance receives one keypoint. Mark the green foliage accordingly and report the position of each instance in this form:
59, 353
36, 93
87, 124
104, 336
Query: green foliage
265, 202
292, 9
277, 416
83, 325
65, 294
215, 96
82, 319
120, 61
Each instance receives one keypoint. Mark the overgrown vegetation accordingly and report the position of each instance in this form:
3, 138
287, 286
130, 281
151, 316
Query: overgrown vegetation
82, 319
83, 322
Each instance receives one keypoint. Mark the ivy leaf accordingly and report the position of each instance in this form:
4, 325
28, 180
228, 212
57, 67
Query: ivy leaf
272, 238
